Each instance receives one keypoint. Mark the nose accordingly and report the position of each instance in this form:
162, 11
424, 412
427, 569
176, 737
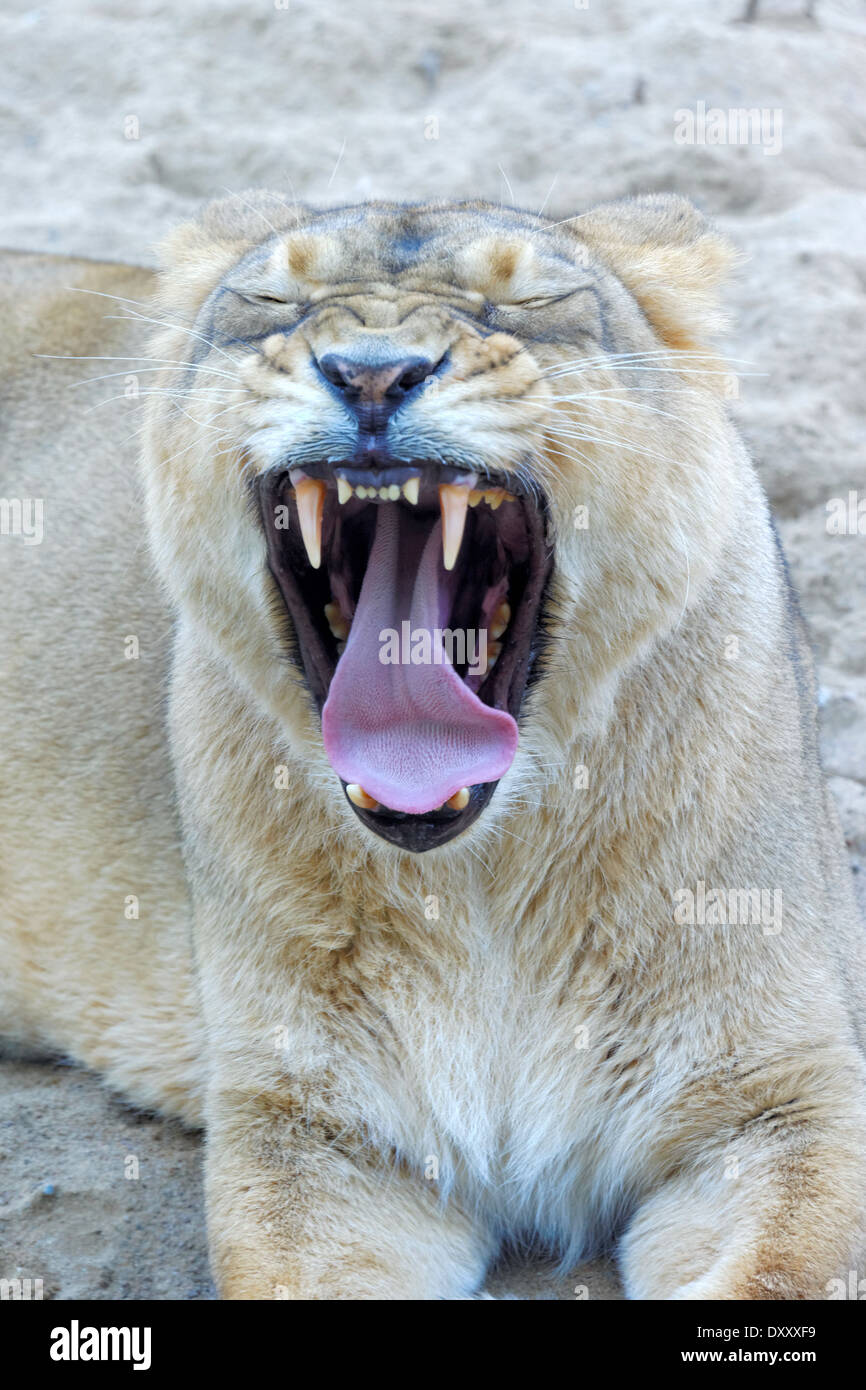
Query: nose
374, 391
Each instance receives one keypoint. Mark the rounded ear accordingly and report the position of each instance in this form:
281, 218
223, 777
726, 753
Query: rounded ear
664, 252
195, 255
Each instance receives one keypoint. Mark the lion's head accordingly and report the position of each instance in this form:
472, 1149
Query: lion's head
380, 421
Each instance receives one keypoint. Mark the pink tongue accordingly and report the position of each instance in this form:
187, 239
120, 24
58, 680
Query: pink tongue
411, 735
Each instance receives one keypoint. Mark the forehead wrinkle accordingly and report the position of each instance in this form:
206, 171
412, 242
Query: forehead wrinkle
414, 239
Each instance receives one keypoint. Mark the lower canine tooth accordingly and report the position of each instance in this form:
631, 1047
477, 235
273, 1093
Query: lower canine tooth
411, 488
310, 497
460, 800
453, 502
359, 797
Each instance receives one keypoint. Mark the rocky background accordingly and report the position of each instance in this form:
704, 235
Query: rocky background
116, 121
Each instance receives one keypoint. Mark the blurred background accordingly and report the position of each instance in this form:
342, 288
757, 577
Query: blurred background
116, 121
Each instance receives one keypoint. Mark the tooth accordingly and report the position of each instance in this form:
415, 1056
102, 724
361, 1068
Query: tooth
344, 490
360, 492
494, 498
336, 622
493, 651
410, 489
453, 502
359, 797
475, 497
500, 621
310, 496
460, 800
341, 647
393, 493
384, 493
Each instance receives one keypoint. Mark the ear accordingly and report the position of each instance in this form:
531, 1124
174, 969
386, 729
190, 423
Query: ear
194, 257
666, 254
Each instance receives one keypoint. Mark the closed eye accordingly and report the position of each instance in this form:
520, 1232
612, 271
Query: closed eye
263, 298
542, 300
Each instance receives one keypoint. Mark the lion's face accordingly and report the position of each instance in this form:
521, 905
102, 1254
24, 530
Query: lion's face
444, 435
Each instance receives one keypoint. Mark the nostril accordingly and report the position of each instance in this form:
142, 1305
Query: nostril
376, 385
336, 370
415, 374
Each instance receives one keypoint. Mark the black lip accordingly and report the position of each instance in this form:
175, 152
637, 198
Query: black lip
420, 833
505, 686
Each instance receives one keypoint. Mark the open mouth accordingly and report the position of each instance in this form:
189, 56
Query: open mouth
415, 591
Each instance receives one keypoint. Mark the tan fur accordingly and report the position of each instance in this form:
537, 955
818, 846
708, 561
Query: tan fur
388, 1092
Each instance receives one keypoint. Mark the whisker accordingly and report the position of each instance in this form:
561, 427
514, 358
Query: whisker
101, 294
678, 371
550, 226
258, 212
547, 195
688, 573
476, 855
675, 354
605, 439
179, 328
174, 391
639, 405
339, 159
164, 361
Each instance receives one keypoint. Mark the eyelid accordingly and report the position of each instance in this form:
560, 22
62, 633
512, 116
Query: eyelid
252, 297
538, 301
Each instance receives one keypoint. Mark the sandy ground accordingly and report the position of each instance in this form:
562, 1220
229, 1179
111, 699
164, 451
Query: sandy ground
116, 121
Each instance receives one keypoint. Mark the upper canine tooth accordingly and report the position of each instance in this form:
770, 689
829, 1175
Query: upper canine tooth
493, 652
453, 503
475, 497
310, 497
344, 490
359, 797
500, 620
336, 622
411, 489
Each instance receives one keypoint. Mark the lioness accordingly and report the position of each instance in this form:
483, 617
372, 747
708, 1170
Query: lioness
548, 937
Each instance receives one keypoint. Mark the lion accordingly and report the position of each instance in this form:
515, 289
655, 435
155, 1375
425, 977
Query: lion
411, 767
